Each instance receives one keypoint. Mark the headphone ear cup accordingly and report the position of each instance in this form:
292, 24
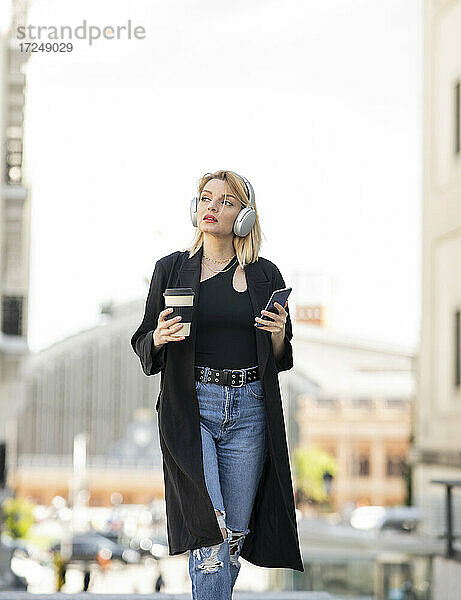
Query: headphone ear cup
193, 210
244, 221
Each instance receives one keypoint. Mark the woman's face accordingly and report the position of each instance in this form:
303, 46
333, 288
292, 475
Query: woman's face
212, 202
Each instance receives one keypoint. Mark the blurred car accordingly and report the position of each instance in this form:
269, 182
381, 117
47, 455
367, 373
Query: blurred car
150, 547
398, 518
15, 544
147, 546
87, 546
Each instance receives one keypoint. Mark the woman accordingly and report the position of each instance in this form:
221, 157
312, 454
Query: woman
228, 488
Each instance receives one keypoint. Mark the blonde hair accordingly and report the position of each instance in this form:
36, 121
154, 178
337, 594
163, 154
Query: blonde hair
247, 247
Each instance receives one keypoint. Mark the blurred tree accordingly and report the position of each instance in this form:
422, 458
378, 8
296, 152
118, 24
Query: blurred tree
18, 516
310, 465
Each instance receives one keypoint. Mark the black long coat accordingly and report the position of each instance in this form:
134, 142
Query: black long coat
191, 519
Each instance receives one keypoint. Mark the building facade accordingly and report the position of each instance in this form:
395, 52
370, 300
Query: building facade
89, 383
355, 399
437, 450
15, 213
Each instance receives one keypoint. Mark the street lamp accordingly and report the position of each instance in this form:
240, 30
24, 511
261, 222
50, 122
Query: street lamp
327, 482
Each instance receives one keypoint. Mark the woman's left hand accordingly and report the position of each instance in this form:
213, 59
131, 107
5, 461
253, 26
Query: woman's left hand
277, 324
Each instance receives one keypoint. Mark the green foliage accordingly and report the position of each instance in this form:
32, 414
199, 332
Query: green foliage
310, 464
18, 516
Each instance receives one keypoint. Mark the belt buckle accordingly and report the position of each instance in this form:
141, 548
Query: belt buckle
243, 377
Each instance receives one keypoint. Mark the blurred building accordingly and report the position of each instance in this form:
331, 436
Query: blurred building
314, 296
351, 397
14, 227
354, 398
437, 451
92, 383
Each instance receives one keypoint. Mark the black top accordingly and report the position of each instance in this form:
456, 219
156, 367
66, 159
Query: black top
226, 336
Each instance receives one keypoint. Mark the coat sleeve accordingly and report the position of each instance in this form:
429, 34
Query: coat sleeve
285, 363
142, 339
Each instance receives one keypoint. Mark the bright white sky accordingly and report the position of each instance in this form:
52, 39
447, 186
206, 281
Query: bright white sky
318, 103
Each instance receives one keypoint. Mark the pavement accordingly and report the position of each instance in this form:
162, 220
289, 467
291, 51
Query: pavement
159, 596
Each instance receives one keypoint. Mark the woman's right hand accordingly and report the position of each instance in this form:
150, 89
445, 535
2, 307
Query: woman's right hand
161, 334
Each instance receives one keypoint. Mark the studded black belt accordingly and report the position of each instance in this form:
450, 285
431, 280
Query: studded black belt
232, 377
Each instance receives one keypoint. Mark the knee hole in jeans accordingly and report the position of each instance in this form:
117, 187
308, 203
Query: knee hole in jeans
235, 544
209, 554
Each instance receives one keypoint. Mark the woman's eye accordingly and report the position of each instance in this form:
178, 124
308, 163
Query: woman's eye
228, 203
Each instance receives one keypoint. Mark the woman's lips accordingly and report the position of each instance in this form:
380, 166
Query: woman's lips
210, 219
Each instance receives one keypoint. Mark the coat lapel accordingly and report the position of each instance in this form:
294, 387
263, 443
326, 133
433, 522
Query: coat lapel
259, 289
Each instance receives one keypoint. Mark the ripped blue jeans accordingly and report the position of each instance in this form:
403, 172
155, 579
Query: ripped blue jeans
234, 444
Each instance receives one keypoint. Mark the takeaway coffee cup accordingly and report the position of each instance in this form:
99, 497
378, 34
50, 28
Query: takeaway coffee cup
181, 300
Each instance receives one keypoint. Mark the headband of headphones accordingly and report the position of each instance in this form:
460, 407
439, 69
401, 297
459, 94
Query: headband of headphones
249, 189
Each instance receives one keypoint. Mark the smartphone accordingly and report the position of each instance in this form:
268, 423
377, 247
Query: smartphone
279, 296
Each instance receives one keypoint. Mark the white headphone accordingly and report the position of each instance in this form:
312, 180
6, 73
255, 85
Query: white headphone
246, 218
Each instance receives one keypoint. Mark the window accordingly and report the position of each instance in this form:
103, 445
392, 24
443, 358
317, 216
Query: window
12, 315
395, 466
361, 465
327, 402
364, 466
362, 402
396, 403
